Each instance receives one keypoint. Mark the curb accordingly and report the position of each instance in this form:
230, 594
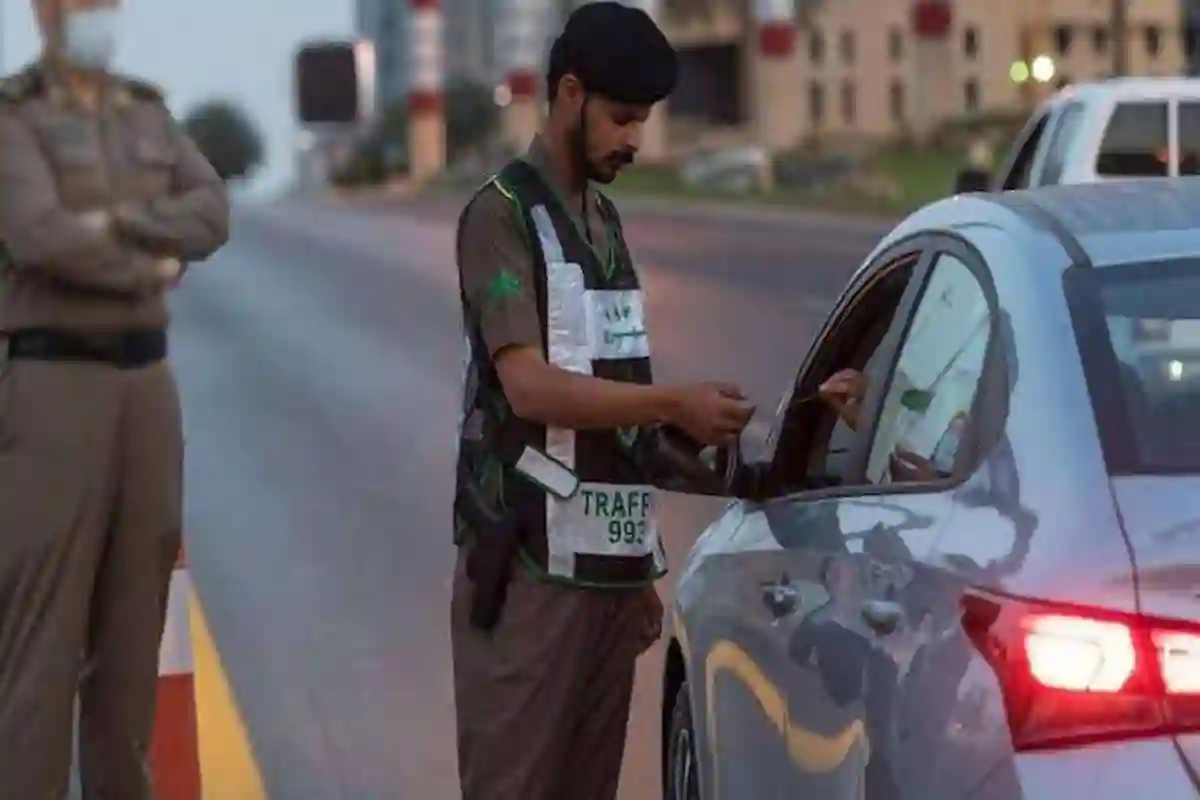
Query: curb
725, 211
684, 209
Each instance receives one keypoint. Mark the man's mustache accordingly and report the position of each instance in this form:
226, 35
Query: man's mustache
622, 158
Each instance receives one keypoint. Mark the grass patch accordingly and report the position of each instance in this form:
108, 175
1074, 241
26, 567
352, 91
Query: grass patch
905, 179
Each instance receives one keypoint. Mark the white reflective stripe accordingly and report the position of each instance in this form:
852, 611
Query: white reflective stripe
568, 337
580, 327
548, 473
175, 652
608, 520
568, 349
617, 325
466, 393
547, 235
426, 49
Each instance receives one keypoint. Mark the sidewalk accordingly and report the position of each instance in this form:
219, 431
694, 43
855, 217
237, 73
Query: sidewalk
716, 210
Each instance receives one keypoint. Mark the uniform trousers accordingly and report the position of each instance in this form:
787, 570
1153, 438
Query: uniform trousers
543, 700
91, 482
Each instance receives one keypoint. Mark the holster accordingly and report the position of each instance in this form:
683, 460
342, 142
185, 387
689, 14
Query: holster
492, 553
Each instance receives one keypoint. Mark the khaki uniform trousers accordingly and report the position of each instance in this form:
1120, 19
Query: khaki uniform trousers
543, 700
90, 525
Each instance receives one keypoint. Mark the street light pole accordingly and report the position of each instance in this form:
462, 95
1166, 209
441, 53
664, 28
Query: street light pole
1119, 30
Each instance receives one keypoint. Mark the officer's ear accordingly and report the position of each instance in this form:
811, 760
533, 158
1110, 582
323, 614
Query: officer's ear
570, 91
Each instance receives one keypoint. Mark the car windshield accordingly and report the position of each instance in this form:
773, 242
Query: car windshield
1139, 329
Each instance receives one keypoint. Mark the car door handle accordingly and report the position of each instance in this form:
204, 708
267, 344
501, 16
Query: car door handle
882, 615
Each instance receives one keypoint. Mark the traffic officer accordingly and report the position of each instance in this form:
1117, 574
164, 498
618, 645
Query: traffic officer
103, 201
557, 402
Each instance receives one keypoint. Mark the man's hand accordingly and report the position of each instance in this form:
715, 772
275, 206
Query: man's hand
651, 620
713, 413
844, 392
909, 467
169, 270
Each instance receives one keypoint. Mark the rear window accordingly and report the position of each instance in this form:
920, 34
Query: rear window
1136, 141
1139, 333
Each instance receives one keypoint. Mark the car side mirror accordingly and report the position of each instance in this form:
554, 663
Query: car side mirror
972, 180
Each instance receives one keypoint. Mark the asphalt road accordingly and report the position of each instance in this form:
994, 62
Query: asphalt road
319, 356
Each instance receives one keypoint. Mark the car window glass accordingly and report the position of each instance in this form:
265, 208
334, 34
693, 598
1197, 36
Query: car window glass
837, 458
1064, 136
1189, 137
813, 442
1135, 141
926, 413
1022, 165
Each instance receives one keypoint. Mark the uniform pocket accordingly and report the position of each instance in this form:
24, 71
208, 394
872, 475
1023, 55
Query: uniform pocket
154, 162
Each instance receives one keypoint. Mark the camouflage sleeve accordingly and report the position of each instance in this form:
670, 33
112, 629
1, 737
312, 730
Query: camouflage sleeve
495, 264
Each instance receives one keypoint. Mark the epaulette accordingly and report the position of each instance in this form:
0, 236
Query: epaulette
21, 86
142, 90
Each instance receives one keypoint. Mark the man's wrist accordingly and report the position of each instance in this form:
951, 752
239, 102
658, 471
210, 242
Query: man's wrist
665, 405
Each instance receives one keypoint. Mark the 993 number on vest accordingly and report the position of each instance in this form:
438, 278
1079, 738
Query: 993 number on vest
627, 531
622, 515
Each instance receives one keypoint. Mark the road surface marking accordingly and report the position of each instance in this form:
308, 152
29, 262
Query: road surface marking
227, 765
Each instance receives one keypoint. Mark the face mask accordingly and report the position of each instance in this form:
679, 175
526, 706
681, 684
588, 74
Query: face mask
90, 37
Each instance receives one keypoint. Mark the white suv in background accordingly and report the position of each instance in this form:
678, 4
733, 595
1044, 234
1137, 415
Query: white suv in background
1117, 129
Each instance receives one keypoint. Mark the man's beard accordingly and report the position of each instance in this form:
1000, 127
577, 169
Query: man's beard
606, 169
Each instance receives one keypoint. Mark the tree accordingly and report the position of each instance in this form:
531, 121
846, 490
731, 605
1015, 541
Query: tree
472, 116
226, 137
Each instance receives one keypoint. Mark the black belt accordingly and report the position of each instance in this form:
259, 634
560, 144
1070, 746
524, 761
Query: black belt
124, 350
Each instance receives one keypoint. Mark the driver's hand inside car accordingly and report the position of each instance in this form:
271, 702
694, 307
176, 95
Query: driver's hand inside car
844, 392
908, 467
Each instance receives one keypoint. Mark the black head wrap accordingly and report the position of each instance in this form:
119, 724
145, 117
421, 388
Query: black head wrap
616, 52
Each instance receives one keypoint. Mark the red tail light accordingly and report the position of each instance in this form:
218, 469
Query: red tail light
1074, 676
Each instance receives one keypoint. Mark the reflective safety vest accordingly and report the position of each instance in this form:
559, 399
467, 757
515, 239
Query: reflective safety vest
593, 322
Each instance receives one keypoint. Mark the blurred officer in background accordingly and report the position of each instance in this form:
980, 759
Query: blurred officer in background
554, 596
103, 203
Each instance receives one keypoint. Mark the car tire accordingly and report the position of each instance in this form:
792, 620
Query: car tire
683, 766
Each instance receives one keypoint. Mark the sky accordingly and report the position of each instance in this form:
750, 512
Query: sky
240, 50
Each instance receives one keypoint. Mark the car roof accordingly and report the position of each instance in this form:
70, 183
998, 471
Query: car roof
1097, 224
1129, 88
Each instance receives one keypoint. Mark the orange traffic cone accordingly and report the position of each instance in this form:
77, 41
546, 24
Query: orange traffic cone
174, 753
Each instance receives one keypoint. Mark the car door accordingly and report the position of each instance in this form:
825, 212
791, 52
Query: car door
855, 551
785, 569
944, 402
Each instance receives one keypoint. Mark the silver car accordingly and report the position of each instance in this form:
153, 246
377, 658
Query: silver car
989, 585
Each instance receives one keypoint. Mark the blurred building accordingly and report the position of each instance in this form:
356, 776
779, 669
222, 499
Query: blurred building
859, 68
1192, 35
858, 63
470, 51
